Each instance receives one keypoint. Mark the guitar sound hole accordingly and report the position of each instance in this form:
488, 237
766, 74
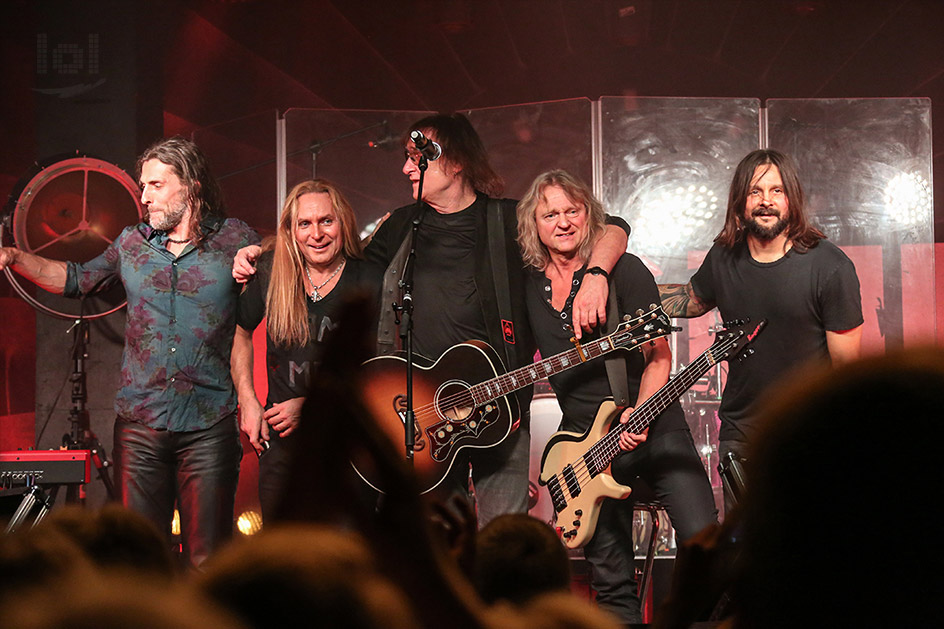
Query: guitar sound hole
454, 401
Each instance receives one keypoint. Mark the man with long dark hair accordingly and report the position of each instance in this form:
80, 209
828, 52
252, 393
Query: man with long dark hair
176, 438
460, 246
769, 262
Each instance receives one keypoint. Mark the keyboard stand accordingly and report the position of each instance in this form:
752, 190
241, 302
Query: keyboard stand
34, 496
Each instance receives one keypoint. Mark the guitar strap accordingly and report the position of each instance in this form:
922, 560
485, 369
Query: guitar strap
498, 248
615, 361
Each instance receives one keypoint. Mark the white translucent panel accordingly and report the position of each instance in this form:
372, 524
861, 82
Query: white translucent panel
666, 167
866, 168
524, 141
361, 151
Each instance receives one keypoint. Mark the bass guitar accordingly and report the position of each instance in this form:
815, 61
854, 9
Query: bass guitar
576, 468
464, 400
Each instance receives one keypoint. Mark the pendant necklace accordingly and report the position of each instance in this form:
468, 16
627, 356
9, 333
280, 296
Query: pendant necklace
315, 296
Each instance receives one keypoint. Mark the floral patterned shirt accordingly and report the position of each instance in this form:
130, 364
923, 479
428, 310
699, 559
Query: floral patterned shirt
175, 372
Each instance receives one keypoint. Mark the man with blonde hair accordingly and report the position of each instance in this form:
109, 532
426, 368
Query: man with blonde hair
559, 222
298, 287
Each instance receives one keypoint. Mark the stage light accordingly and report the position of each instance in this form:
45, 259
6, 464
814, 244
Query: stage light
671, 218
908, 200
249, 522
175, 524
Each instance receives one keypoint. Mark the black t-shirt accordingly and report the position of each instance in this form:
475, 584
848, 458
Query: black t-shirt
446, 303
289, 369
802, 295
580, 389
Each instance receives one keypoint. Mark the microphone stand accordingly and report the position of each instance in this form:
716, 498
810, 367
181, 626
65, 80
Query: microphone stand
80, 436
314, 148
404, 317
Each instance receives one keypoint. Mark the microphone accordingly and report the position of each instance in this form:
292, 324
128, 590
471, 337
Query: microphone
430, 150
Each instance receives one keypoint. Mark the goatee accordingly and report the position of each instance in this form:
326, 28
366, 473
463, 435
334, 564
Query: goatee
758, 230
170, 218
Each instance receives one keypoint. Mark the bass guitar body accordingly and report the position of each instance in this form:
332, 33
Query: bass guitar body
576, 490
576, 468
451, 411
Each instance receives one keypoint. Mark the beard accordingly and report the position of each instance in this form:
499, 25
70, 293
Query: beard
758, 230
171, 216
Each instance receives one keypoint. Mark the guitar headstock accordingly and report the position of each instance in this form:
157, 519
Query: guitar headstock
644, 327
734, 340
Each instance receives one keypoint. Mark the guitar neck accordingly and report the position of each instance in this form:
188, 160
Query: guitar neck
526, 376
669, 393
606, 449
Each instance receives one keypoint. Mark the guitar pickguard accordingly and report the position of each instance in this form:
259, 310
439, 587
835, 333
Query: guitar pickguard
446, 435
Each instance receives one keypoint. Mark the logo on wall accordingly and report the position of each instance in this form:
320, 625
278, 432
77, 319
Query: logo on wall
65, 60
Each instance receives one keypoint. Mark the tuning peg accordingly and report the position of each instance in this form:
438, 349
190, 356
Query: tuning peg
626, 317
639, 312
652, 306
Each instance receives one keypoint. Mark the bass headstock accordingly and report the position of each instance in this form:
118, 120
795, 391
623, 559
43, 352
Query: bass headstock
735, 338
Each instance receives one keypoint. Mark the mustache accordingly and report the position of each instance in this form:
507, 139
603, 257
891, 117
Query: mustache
763, 211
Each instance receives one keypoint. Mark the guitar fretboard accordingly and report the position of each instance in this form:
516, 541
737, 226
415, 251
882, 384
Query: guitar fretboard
626, 336
599, 456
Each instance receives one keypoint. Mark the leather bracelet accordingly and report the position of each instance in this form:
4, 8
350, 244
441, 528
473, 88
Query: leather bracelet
595, 270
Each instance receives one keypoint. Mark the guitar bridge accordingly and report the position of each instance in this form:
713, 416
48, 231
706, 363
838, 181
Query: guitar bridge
399, 407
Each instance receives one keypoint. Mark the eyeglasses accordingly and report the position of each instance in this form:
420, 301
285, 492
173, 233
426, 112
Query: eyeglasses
413, 155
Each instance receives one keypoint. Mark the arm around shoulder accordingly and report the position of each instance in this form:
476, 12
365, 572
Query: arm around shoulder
680, 300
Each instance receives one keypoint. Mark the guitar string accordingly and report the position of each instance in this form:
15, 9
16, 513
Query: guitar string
507, 380
605, 450
608, 447
467, 396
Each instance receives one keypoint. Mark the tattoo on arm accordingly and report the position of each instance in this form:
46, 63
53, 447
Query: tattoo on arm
679, 300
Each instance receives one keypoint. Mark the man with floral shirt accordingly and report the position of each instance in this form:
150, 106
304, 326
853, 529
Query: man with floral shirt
176, 438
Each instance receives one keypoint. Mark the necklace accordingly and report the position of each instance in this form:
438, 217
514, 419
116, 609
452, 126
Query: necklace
178, 242
315, 296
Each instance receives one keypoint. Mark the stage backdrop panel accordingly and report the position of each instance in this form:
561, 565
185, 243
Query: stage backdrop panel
361, 151
666, 167
524, 141
866, 168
